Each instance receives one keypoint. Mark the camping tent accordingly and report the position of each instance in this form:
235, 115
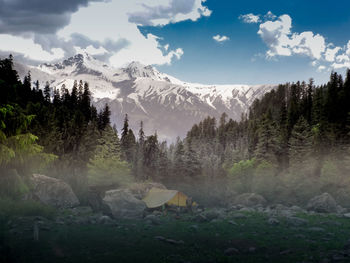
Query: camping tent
157, 197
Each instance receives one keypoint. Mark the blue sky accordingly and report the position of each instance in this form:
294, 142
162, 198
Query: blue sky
213, 41
242, 59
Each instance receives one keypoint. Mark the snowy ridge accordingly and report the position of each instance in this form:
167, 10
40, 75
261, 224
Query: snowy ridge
144, 93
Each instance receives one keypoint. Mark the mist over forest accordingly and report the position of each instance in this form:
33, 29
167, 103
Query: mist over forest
292, 146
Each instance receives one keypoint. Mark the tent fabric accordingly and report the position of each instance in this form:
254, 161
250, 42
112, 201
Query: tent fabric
179, 200
157, 197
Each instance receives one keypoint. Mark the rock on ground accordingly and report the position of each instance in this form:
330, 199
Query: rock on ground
296, 221
324, 203
250, 199
52, 191
123, 204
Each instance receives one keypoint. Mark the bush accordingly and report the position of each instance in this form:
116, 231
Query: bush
265, 181
241, 175
12, 185
110, 171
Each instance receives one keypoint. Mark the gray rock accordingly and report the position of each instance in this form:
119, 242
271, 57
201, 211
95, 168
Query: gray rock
341, 210
201, 218
316, 229
105, 220
281, 211
213, 214
273, 221
52, 191
82, 210
297, 209
194, 228
231, 222
347, 245
170, 241
296, 221
123, 204
252, 249
153, 219
324, 203
231, 251
247, 209
238, 216
250, 199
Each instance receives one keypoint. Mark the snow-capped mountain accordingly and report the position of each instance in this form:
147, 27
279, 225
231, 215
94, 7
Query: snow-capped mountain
165, 104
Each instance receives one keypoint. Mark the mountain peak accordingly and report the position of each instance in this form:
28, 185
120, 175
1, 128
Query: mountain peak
135, 64
136, 69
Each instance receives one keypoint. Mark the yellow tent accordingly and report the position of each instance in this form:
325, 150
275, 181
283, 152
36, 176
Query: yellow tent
157, 197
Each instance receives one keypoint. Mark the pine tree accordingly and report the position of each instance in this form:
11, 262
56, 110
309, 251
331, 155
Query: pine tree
56, 97
106, 114
300, 143
141, 134
138, 161
163, 162
179, 165
128, 141
74, 96
125, 129
47, 92
85, 104
267, 146
222, 130
150, 157
191, 161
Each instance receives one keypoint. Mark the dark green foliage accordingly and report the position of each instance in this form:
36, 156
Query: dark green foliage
300, 143
128, 141
151, 157
65, 125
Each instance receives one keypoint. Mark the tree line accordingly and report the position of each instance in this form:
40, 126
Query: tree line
293, 143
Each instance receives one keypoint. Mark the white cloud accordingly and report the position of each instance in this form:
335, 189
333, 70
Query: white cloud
331, 53
278, 37
115, 32
154, 14
250, 18
321, 68
220, 39
28, 48
269, 16
281, 41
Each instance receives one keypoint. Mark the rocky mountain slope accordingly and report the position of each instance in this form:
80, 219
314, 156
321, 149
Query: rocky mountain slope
165, 104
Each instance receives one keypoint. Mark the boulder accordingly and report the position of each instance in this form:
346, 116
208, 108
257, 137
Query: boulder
296, 221
52, 191
213, 214
250, 199
324, 203
273, 221
152, 219
140, 190
123, 204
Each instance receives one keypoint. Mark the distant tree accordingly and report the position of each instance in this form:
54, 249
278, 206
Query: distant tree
300, 143
150, 156
268, 142
47, 92
191, 161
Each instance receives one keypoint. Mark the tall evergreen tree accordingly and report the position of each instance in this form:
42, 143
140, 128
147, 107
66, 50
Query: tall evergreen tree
300, 143
47, 92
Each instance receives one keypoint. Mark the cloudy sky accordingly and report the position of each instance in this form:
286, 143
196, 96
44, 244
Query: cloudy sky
213, 41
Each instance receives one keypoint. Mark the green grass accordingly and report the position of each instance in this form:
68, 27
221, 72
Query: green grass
133, 241
14, 208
